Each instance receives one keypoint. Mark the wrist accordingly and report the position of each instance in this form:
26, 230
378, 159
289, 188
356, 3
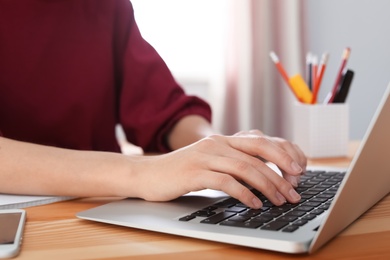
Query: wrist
188, 130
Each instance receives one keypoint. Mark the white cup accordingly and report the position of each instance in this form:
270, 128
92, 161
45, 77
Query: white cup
321, 130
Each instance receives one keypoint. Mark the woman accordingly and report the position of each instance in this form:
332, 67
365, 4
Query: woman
71, 70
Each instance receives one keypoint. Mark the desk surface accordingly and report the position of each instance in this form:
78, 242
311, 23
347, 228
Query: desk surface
53, 232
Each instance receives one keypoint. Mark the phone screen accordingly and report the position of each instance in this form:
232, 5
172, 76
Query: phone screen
9, 223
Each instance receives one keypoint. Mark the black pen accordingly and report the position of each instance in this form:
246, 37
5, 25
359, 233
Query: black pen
343, 90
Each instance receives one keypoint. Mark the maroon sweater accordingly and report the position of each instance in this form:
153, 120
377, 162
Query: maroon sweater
70, 70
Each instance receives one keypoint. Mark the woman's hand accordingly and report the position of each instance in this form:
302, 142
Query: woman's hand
292, 149
223, 163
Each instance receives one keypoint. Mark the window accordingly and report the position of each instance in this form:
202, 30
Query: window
188, 35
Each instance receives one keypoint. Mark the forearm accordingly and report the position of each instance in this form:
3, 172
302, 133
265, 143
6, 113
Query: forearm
35, 169
189, 130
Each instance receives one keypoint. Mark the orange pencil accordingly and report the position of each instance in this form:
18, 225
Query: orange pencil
282, 72
314, 70
319, 76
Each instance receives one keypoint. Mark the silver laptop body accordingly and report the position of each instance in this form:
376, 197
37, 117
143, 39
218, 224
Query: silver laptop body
366, 181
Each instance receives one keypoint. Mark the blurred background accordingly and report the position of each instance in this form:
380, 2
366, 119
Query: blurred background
219, 50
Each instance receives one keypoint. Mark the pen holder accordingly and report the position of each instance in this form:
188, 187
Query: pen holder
321, 130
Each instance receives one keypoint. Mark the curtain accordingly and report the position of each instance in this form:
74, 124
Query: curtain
254, 95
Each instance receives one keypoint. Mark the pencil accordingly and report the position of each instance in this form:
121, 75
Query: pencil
344, 60
320, 74
282, 72
314, 71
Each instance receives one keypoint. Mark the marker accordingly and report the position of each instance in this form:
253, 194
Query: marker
301, 89
309, 67
343, 90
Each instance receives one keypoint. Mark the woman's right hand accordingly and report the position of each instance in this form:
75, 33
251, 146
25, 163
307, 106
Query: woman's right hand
220, 163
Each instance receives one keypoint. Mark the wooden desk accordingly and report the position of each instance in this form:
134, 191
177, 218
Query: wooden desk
53, 232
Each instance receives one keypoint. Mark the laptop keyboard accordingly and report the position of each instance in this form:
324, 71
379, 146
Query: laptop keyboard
317, 189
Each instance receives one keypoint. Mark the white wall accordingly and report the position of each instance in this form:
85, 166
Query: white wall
364, 26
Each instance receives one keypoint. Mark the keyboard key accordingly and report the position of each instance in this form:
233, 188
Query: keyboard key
262, 219
241, 224
241, 205
310, 192
187, 218
218, 217
239, 218
267, 204
235, 209
305, 208
318, 189
326, 196
300, 222
317, 199
290, 228
275, 225
317, 211
277, 210
306, 196
309, 216
230, 202
272, 214
251, 213
301, 189
210, 208
311, 204
287, 218
203, 213
297, 213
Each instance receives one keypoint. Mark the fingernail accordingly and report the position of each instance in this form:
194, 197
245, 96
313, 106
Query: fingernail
293, 182
257, 203
280, 197
295, 167
294, 195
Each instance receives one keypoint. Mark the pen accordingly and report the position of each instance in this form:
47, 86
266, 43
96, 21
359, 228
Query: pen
309, 73
343, 90
282, 72
331, 95
320, 74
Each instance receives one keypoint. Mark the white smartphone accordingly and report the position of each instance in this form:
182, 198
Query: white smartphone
12, 223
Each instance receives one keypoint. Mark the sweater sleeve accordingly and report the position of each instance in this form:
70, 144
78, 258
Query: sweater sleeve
150, 100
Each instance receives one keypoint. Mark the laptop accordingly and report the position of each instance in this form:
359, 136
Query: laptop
332, 199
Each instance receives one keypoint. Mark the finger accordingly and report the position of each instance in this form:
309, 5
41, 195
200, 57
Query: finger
253, 132
256, 132
263, 147
229, 185
283, 186
296, 153
293, 180
243, 166
258, 175
293, 150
